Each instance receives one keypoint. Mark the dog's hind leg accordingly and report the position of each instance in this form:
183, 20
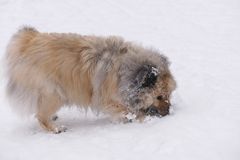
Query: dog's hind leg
54, 117
48, 105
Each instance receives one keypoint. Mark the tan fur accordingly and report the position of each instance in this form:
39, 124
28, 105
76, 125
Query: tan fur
52, 70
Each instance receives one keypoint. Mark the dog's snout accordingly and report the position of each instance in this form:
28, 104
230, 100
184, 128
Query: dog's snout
164, 110
156, 111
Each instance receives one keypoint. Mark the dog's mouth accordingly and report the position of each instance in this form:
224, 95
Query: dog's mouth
156, 111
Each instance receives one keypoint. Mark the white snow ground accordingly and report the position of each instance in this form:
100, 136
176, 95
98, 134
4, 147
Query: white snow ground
202, 40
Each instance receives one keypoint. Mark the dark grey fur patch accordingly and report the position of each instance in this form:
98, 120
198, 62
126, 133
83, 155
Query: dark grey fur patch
148, 75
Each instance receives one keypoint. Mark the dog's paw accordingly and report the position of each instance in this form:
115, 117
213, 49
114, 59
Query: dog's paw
59, 129
129, 118
54, 118
125, 120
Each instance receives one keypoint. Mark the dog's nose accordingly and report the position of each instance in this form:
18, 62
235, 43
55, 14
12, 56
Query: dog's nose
157, 111
164, 111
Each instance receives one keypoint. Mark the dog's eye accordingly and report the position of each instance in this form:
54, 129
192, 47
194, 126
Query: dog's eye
160, 98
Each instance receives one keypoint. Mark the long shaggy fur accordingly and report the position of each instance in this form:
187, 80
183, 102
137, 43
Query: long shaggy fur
49, 70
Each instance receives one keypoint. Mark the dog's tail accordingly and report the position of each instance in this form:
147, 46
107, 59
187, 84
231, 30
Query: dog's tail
20, 98
19, 41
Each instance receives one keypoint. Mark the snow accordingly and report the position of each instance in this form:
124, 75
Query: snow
201, 38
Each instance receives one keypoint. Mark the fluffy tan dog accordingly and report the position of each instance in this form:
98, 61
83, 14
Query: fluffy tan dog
50, 70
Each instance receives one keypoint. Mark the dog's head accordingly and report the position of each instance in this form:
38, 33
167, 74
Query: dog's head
160, 94
149, 90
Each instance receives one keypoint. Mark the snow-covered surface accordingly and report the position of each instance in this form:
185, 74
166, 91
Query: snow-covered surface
202, 40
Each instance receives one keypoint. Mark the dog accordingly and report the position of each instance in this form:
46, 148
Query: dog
49, 70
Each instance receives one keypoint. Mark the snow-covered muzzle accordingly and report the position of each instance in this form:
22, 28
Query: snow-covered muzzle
159, 109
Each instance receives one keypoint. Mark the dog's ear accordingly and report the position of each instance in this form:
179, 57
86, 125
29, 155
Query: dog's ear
146, 76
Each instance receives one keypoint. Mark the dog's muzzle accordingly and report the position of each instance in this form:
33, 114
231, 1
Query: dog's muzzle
157, 111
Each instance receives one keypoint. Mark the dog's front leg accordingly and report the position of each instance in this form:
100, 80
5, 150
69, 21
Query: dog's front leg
118, 112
